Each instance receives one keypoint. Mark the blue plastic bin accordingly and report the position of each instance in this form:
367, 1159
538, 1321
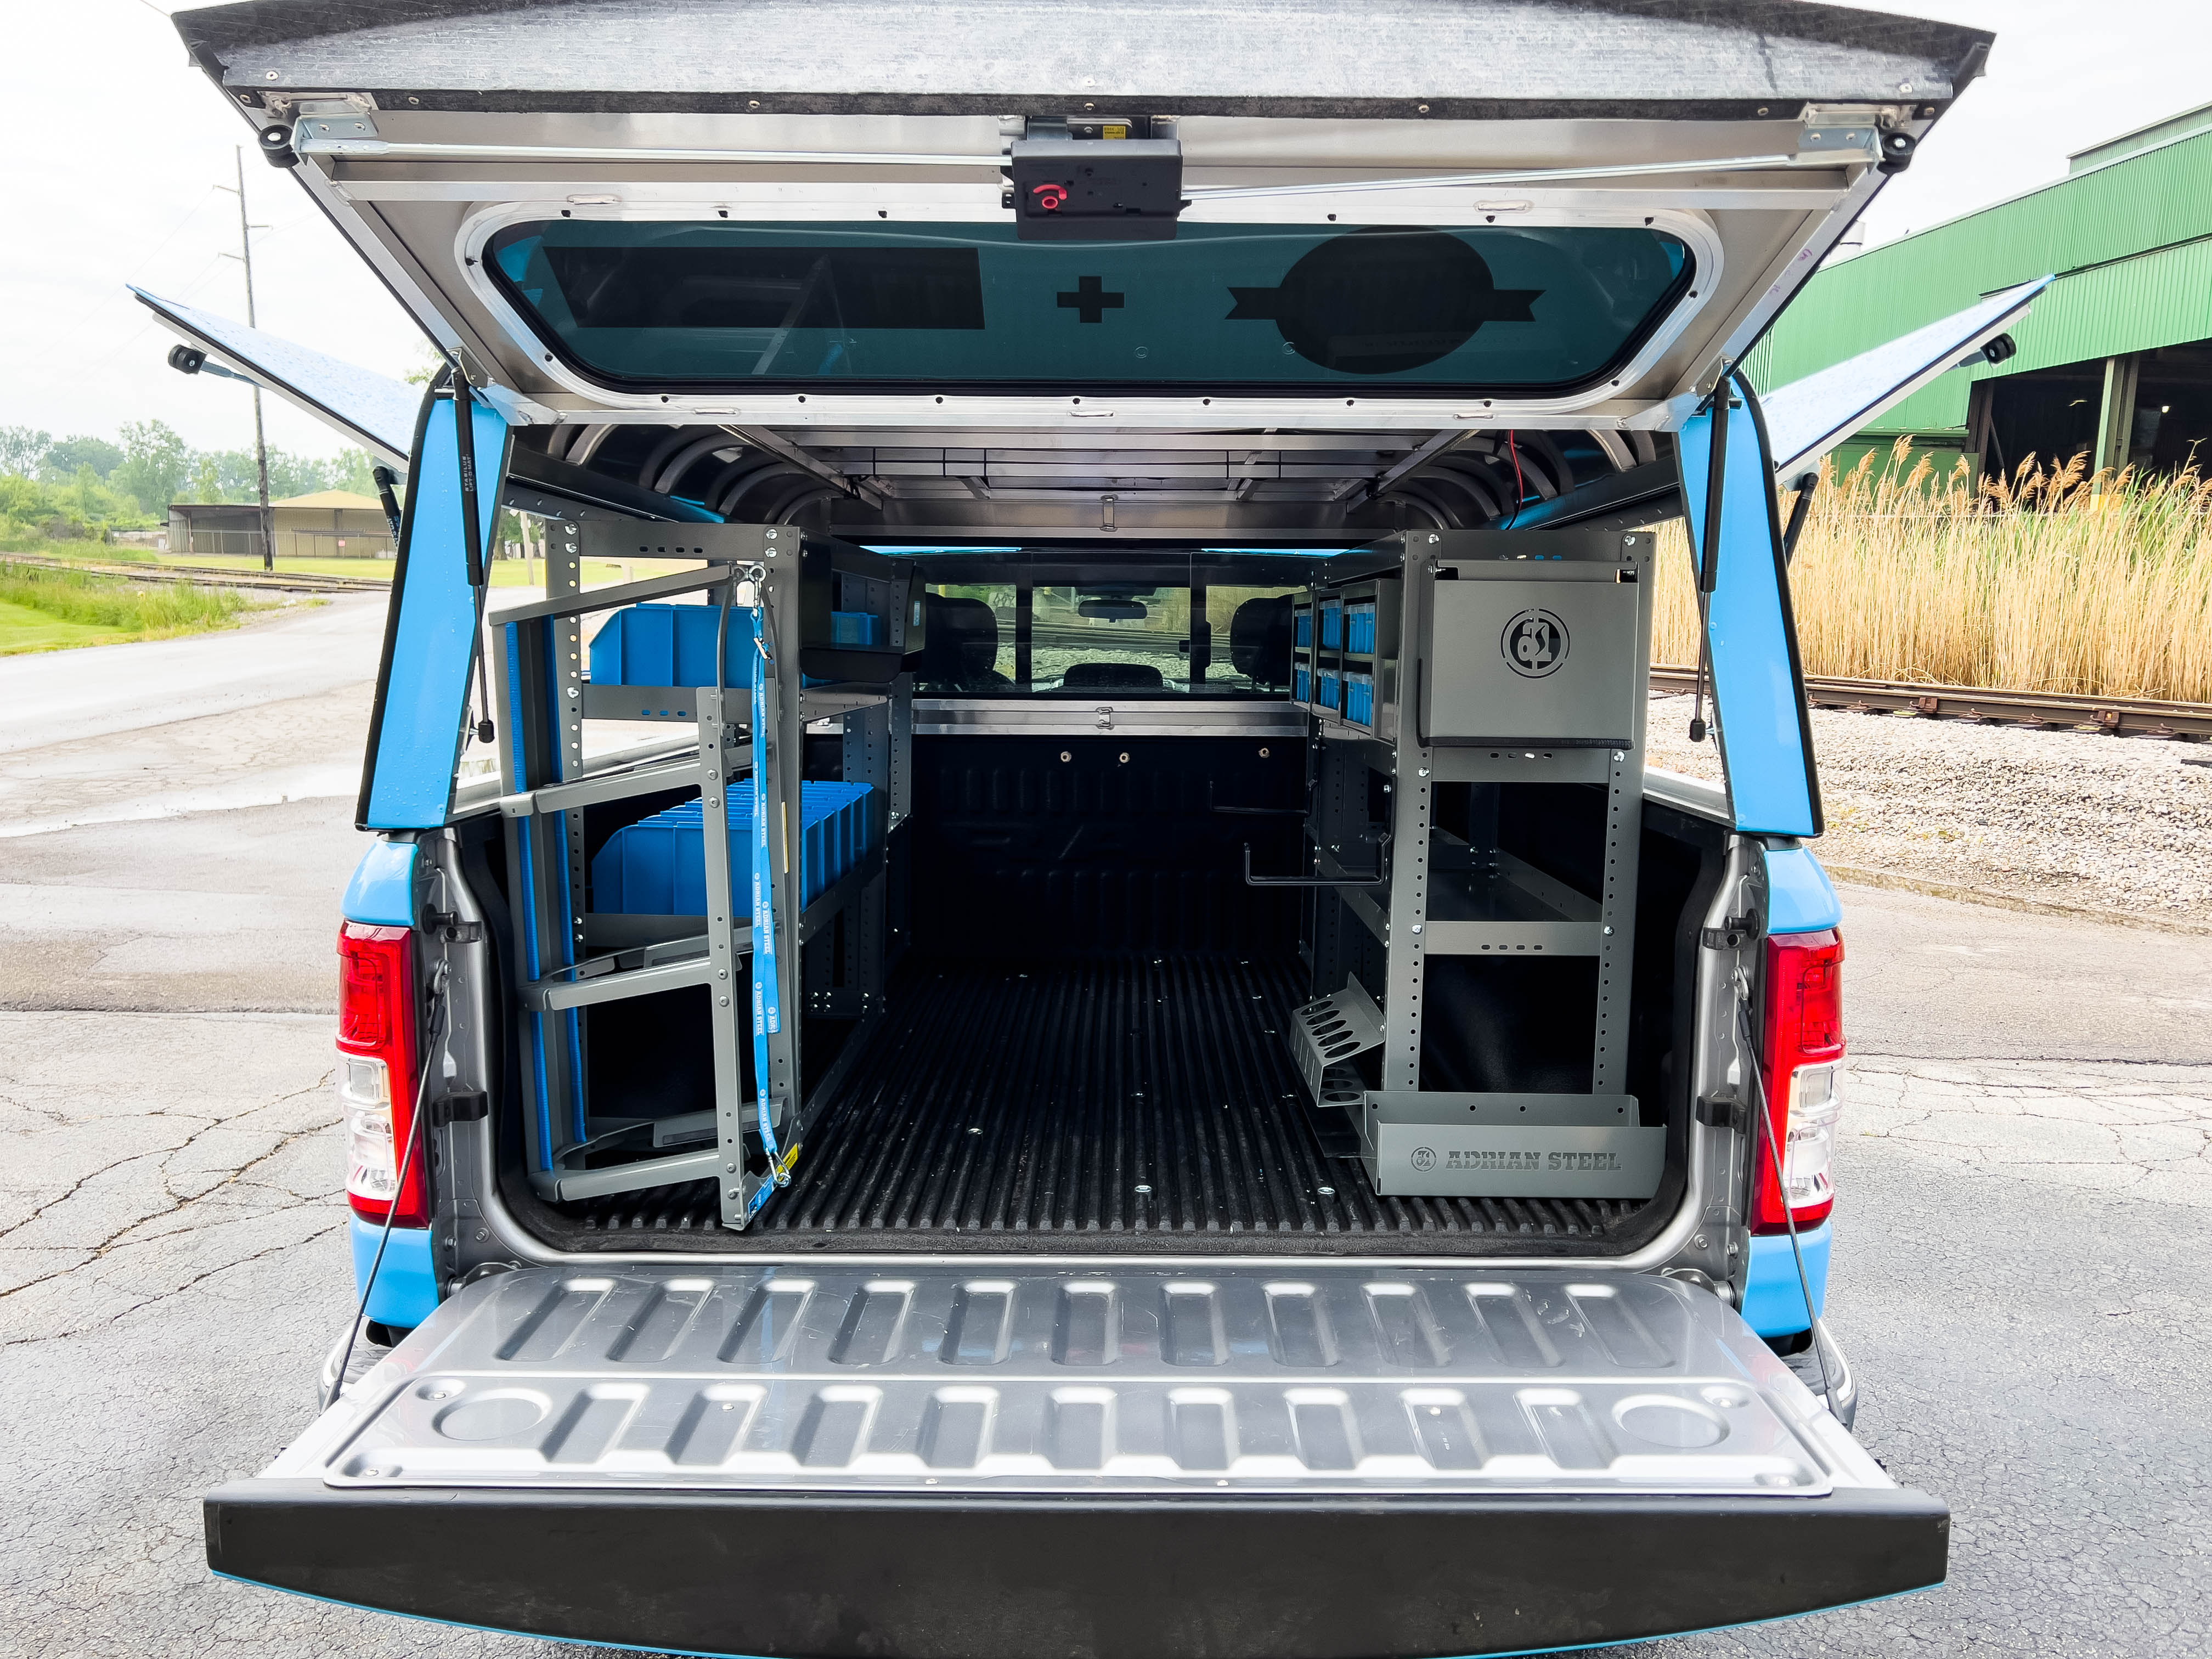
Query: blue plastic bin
862, 628
1301, 684
657, 866
1332, 623
1359, 697
1302, 626
1331, 693
670, 645
1359, 626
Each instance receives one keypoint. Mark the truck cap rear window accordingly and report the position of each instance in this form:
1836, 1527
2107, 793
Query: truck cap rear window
1268, 308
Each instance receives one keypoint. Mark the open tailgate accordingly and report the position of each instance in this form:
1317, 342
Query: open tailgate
1169, 1459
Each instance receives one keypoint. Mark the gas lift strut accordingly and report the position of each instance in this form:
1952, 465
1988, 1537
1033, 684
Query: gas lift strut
353, 136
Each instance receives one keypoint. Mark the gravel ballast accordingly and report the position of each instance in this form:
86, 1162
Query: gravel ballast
2119, 824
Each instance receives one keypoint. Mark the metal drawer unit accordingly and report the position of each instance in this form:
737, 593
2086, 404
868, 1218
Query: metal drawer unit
565, 959
1504, 667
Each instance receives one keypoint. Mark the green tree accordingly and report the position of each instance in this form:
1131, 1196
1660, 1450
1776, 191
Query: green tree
234, 474
295, 474
207, 476
21, 449
348, 470
61, 462
88, 500
154, 466
22, 504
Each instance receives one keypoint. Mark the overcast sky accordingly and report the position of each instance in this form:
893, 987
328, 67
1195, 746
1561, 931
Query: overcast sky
115, 148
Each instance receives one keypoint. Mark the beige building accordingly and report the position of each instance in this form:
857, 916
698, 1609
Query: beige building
329, 524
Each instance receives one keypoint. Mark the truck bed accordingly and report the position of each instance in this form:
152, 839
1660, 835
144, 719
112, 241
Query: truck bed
997, 1101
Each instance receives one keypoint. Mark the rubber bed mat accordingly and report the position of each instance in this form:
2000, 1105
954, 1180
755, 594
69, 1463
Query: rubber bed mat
1119, 1105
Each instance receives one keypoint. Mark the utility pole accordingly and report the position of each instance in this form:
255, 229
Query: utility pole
260, 443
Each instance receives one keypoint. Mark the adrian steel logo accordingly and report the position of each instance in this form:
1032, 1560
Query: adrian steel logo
1424, 1157
1535, 643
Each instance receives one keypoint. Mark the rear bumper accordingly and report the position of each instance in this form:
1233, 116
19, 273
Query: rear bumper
1773, 1297
406, 1290
1163, 1578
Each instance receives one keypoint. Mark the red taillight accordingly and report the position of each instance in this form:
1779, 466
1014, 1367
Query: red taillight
1804, 1051
376, 1072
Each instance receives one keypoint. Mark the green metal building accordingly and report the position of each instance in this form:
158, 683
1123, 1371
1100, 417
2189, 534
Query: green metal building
2115, 360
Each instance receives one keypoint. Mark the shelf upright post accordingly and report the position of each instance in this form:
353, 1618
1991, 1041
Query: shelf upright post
779, 744
729, 1011
1624, 830
893, 918
1412, 788
539, 664
850, 984
564, 579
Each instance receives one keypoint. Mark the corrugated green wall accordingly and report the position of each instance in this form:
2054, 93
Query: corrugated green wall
2131, 244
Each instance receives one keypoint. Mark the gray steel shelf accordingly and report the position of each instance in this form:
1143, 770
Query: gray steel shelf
1446, 898
568, 960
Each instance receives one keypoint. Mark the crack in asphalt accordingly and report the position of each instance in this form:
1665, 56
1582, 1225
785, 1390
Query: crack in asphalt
119, 1239
200, 1277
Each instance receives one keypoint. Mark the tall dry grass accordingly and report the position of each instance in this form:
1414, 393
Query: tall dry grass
2049, 580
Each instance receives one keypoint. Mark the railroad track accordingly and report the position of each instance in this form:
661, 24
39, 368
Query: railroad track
2121, 717
281, 581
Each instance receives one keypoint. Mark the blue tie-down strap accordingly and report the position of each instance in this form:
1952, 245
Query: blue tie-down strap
767, 991
1758, 692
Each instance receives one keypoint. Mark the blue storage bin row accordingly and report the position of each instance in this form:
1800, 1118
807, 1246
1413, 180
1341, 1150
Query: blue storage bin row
670, 645
1359, 626
1329, 694
1332, 623
1300, 682
674, 644
1302, 626
658, 868
1359, 697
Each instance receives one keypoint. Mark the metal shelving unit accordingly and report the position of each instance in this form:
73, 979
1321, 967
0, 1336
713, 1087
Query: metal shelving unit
567, 960
1395, 893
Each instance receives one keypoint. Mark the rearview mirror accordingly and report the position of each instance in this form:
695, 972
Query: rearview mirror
1113, 610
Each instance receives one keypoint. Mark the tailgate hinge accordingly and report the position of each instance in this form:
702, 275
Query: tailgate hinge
1731, 935
1723, 1109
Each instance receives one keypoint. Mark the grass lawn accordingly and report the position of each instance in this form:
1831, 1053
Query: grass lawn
43, 608
22, 628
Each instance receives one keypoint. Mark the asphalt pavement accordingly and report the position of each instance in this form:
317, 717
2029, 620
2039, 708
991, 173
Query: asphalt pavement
2025, 1210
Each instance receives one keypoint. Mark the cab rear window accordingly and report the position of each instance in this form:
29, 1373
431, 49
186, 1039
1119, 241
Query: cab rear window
1269, 308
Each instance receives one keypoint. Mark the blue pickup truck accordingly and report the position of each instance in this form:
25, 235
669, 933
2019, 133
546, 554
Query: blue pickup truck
1037, 1001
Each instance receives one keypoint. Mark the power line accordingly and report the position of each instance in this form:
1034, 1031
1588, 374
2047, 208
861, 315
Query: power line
101, 304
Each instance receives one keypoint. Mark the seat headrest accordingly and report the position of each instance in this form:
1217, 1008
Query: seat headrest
1260, 640
1112, 676
961, 647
